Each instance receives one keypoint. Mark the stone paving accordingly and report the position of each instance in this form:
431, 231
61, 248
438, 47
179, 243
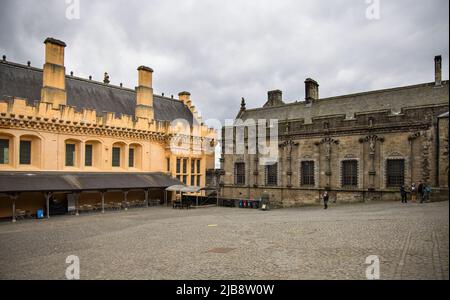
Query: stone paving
230, 243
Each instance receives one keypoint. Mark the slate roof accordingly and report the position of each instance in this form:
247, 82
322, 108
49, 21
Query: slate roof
394, 100
26, 82
81, 181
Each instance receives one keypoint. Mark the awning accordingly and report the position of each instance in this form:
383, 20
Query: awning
184, 189
11, 182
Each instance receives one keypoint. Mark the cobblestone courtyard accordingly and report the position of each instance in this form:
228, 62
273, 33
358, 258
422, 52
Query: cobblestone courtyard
224, 243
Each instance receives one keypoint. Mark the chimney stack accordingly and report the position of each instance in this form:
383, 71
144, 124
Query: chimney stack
185, 97
311, 90
438, 70
54, 78
274, 98
144, 93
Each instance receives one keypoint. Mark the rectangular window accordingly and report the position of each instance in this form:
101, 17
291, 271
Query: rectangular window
116, 157
184, 165
70, 155
192, 166
239, 173
185, 179
178, 166
199, 180
131, 158
168, 164
395, 169
350, 173
307, 173
179, 177
193, 180
272, 174
88, 155
198, 166
25, 152
4, 152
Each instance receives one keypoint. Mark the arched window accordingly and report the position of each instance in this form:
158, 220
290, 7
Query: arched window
92, 154
6, 146
135, 156
118, 155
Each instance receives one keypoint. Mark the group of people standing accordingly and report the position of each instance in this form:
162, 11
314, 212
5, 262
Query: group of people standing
422, 191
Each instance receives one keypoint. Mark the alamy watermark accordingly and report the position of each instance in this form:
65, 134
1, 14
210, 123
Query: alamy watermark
373, 10
73, 9
73, 270
373, 270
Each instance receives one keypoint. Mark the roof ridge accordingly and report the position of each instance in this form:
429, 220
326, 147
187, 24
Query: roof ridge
444, 82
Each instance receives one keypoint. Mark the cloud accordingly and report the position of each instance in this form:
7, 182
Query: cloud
222, 50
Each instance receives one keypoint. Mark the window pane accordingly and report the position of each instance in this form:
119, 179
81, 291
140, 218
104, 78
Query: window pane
272, 174
116, 157
307, 173
192, 180
178, 166
185, 179
350, 173
25, 152
4, 152
395, 172
192, 166
168, 164
88, 156
239, 173
131, 158
184, 166
198, 166
198, 180
70, 155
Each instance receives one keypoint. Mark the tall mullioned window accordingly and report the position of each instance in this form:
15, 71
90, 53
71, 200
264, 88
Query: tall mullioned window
350, 173
70, 155
239, 173
4, 152
116, 157
88, 155
395, 172
271, 174
307, 173
131, 158
25, 153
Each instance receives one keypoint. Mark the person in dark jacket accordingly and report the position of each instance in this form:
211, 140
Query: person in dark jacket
403, 194
326, 198
421, 192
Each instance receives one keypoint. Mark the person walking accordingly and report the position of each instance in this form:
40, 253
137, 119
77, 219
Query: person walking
427, 193
326, 198
420, 191
403, 194
413, 192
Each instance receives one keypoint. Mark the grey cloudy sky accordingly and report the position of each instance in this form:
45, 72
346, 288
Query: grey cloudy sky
222, 50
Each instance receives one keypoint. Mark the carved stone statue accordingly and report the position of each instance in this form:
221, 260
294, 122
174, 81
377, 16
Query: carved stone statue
372, 146
106, 78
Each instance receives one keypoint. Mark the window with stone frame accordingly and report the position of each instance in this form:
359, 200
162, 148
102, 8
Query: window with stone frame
239, 173
4, 151
350, 173
116, 157
271, 174
25, 152
70, 155
88, 153
307, 177
395, 172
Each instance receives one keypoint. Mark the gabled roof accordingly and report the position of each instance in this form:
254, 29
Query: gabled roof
26, 82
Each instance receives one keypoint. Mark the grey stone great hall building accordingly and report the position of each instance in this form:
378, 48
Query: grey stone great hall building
360, 147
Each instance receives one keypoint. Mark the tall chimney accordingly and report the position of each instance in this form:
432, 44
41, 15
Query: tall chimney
54, 79
274, 98
438, 70
144, 93
185, 97
311, 90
